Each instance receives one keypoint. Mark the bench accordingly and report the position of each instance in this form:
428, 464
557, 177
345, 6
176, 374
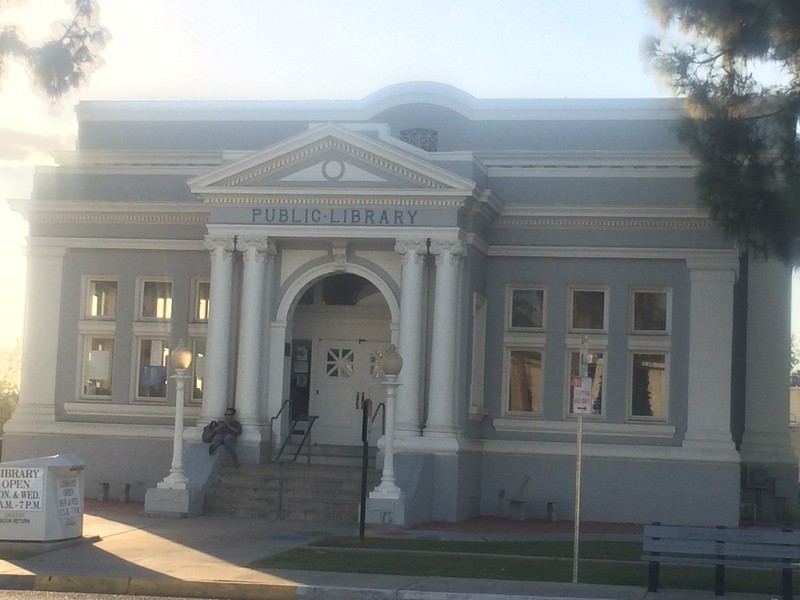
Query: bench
517, 508
721, 547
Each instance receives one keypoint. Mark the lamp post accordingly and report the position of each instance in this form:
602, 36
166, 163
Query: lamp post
391, 364
181, 359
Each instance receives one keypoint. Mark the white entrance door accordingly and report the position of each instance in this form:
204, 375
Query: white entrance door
344, 374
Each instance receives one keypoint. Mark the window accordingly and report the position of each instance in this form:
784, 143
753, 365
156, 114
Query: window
595, 373
153, 361
650, 311
202, 299
648, 385
527, 308
97, 363
199, 370
156, 300
102, 299
525, 381
588, 310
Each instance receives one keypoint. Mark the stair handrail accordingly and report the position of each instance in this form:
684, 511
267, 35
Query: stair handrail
273, 419
381, 405
311, 420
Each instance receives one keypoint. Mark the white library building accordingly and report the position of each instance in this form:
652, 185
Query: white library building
494, 242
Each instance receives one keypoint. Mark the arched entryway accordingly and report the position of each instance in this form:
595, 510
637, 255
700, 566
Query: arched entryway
341, 323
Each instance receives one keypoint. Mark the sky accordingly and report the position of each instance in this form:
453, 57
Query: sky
313, 49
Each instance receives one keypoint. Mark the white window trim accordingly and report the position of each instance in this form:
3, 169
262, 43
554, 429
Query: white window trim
645, 288
135, 368
477, 409
594, 427
84, 344
606, 302
196, 282
529, 345
635, 348
510, 289
596, 344
85, 283
140, 283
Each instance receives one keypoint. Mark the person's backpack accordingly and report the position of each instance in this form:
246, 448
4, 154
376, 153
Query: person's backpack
208, 432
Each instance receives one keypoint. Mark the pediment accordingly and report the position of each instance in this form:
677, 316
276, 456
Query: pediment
329, 159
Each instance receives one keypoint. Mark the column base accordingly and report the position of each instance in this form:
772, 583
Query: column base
767, 447
386, 511
175, 503
712, 446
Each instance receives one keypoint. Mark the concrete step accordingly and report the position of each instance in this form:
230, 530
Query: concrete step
311, 492
329, 454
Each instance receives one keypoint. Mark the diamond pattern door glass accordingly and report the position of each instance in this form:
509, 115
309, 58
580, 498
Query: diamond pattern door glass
339, 362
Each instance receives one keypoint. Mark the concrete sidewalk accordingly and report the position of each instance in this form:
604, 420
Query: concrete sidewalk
122, 552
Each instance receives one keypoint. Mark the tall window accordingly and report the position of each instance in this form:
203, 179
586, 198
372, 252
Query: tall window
97, 329
648, 385
98, 359
524, 341
156, 300
153, 361
101, 299
202, 300
649, 343
199, 370
588, 310
650, 311
527, 308
525, 381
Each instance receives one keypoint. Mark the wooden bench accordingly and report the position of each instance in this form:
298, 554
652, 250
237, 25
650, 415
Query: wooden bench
721, 547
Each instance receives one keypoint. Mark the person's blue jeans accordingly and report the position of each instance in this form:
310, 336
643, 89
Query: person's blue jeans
229, 441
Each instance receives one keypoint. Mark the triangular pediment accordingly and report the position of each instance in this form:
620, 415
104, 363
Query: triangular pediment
333, 160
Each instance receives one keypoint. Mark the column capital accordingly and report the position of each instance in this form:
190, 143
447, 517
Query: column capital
454, 248
225, 244
411, 246
257, 248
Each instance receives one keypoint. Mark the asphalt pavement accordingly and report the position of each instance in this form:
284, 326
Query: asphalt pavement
124, 552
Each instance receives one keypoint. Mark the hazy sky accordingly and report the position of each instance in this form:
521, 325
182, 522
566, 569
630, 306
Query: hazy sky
298, 49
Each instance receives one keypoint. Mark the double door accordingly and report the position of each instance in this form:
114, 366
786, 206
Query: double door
344, 374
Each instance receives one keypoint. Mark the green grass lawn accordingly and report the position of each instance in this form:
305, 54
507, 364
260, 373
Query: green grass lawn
611, 563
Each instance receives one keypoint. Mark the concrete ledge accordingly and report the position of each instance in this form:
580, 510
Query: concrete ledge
148, 587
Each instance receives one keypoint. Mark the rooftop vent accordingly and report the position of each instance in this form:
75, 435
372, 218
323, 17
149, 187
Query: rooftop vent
424, 139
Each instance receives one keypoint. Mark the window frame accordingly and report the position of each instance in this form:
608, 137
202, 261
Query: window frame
141, 284
636, 347
510, 289
197, 298
137, 369
632, 316
531, 346
571, 306
88, 280
87, 340
597, 345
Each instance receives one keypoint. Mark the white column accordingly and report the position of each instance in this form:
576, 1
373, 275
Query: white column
250, 329
219, 327
710, 344
407, 415
441, 394
40, 340
766, 437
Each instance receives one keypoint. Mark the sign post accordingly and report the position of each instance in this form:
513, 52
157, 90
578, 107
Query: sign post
581, 403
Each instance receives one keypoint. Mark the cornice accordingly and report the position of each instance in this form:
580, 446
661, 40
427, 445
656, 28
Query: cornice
332, 197
582, 217
95, 158
111, 212
39, 242
721, 258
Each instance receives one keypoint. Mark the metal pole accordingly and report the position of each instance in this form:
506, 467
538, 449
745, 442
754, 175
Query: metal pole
364, 465
575, 543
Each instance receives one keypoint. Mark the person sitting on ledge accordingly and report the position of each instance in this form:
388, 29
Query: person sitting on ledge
225, 434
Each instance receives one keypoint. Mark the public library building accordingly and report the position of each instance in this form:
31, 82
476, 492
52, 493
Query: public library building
289, 243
